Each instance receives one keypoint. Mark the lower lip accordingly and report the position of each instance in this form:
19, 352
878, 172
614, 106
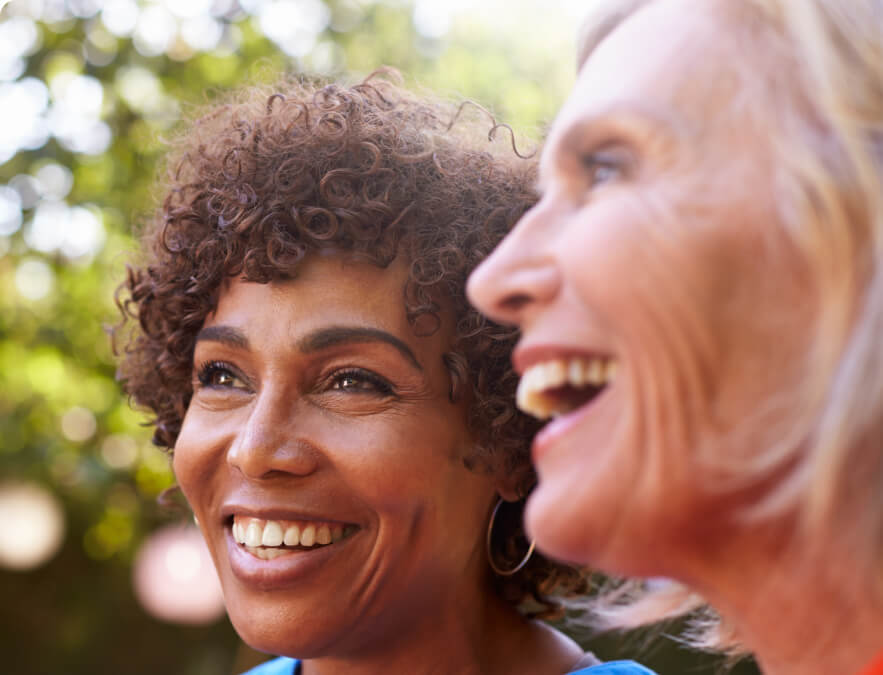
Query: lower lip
559, 427
283, 570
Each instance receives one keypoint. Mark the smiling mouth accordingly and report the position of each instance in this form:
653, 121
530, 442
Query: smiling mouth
268, 539
558, 386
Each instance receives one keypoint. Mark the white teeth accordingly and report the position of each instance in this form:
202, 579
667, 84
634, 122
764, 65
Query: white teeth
292, 536
595, 372
263, 535
576, 375
253, 534
556, 372
323, 535
308, 536
272, 534
576, 372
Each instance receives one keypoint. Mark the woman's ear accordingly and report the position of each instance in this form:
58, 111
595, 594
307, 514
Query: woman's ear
511, 487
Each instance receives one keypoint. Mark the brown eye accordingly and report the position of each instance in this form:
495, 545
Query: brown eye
222, 379
358, 381
219, 375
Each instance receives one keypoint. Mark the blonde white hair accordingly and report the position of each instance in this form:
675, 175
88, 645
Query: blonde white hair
829, 142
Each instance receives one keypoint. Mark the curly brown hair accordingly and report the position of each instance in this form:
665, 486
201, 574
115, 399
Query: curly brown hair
372, 169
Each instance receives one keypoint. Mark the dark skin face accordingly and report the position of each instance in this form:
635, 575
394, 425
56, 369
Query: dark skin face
314, 403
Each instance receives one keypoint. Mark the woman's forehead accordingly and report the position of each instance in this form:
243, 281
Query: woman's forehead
663, 54
322, 284
327, 290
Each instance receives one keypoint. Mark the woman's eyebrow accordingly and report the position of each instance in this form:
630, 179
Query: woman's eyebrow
336, 335
227, 335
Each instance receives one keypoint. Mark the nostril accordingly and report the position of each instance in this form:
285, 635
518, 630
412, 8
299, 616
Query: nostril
514, 302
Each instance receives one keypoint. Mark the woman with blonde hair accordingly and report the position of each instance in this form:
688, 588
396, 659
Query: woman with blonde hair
700, 294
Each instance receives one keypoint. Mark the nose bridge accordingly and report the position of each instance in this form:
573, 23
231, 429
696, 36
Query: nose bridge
269, 442
521, 273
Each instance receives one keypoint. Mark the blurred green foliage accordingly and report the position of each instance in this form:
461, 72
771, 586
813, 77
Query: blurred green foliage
102, 93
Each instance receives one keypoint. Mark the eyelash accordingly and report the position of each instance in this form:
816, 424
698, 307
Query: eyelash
378, 385
209, 369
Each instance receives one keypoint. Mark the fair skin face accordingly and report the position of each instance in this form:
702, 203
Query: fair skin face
315, 405
657, 194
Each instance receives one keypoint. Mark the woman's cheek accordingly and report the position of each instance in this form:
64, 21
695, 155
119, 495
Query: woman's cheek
659, 285
197, 453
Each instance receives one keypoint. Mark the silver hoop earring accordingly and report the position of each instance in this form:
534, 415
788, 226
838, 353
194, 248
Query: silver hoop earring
490, 555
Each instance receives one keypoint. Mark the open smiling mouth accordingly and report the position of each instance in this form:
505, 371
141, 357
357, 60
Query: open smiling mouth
558, 386
268, 539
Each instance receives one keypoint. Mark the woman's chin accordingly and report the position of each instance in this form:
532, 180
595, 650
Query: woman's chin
266, 629
558, 531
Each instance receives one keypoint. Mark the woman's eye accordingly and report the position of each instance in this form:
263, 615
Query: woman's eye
602, 168
360, 381
219, 375
604, 174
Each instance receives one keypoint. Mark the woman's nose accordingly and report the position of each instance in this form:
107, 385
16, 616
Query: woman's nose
269, 443
518, 277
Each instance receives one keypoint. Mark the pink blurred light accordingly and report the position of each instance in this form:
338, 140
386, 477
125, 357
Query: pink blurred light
174, 577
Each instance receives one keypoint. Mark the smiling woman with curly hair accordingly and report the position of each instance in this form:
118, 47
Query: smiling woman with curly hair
342, 422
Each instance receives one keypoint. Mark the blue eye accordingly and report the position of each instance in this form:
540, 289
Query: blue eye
602, 168
360, 381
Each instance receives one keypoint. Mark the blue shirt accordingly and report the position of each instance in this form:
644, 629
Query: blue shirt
286, 666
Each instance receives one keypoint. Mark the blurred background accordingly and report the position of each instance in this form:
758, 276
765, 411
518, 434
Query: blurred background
95, 576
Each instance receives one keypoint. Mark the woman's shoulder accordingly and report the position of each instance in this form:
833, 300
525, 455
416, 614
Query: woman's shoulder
615, 668
286, 666
280, 666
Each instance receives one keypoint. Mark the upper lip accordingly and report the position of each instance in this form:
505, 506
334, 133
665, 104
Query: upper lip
526, 355
287, 512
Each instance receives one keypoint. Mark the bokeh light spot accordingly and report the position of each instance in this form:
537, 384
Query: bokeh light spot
155, 31
174, 578
33, 525
120, 16
84, 9
45, 231
24, 126
188, 9
18, 38
202, 32
432, 19
85, 233
293, 24
10, 211
140, 89
78, 424
55, 180
76, 232
34, 279
119, 451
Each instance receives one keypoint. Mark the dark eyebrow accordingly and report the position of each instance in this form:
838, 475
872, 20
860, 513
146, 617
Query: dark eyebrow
227, 335
324, 338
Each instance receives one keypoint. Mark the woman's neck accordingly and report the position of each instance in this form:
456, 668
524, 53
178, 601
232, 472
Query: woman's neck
798, 615
488, 638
